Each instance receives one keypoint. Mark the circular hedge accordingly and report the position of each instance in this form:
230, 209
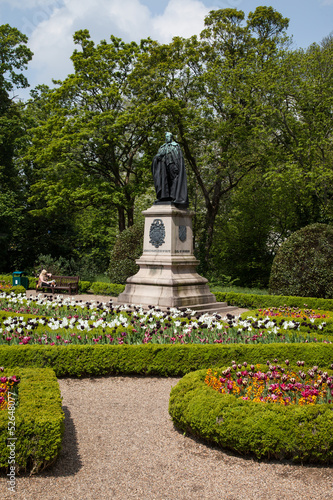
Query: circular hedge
303, 265
265, 430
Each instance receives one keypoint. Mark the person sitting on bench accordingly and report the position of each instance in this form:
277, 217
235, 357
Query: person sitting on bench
43, 279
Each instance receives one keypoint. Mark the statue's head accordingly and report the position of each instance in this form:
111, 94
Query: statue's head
168, 137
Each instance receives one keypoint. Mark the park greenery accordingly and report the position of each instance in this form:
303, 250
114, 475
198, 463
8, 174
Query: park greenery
253, 117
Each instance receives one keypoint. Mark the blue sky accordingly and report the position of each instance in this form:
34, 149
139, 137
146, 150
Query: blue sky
50, 24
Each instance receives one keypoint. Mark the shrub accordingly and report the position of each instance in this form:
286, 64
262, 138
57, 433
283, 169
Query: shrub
127, 249
84, 286
265, 430
59, 266
252, 301
18, 289
39, 421
8, 278
112, 289
32, 283
152, 359
303, 265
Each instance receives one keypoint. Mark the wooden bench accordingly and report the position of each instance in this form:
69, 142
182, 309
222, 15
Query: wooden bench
70, 283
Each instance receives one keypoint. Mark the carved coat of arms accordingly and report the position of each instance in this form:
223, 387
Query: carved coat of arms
182, 233
157, 233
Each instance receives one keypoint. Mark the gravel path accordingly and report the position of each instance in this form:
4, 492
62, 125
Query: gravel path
120, 444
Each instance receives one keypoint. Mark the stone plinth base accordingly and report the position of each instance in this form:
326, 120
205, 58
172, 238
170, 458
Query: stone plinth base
167, 276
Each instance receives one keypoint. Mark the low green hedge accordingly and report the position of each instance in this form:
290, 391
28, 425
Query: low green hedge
84, 286
39, 421
15, 289
112, 289
251, 301
272, 431
152, 359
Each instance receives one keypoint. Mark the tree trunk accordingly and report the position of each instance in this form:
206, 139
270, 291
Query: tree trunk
121, 219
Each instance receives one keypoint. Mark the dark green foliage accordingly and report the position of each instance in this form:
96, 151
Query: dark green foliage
303, 265
152, 359
112, 289
300, 433
127, 249
39, 421
59, 267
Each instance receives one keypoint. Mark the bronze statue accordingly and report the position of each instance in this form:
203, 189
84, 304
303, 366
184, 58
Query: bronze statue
169, 174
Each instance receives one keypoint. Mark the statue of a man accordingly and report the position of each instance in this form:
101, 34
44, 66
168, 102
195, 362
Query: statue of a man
169, 173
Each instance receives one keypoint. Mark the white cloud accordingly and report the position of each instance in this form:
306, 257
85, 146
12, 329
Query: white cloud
29, 4
131, 17
51, 28
181, 17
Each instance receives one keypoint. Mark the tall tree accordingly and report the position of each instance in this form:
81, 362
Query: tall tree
90, 149
302, 125
14, 57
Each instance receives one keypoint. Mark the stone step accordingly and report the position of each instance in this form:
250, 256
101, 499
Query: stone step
220, 308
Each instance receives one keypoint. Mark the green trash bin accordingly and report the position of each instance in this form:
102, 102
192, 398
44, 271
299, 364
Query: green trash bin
19, 279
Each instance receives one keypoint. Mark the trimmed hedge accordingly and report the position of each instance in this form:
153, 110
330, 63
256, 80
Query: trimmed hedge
112, 289
17, 289
39, 421
152, 359
252, 301
300, 433
84, 286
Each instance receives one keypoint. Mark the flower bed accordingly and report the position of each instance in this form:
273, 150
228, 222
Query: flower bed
64, 322
262, 428
279, 385
8, 389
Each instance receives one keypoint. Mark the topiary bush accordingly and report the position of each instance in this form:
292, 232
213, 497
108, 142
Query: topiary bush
126, 250
303, 265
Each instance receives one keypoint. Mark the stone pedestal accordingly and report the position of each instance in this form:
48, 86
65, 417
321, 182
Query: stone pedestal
167, 275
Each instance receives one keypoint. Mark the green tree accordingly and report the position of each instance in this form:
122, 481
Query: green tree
301, 123
89, 151
14, 56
